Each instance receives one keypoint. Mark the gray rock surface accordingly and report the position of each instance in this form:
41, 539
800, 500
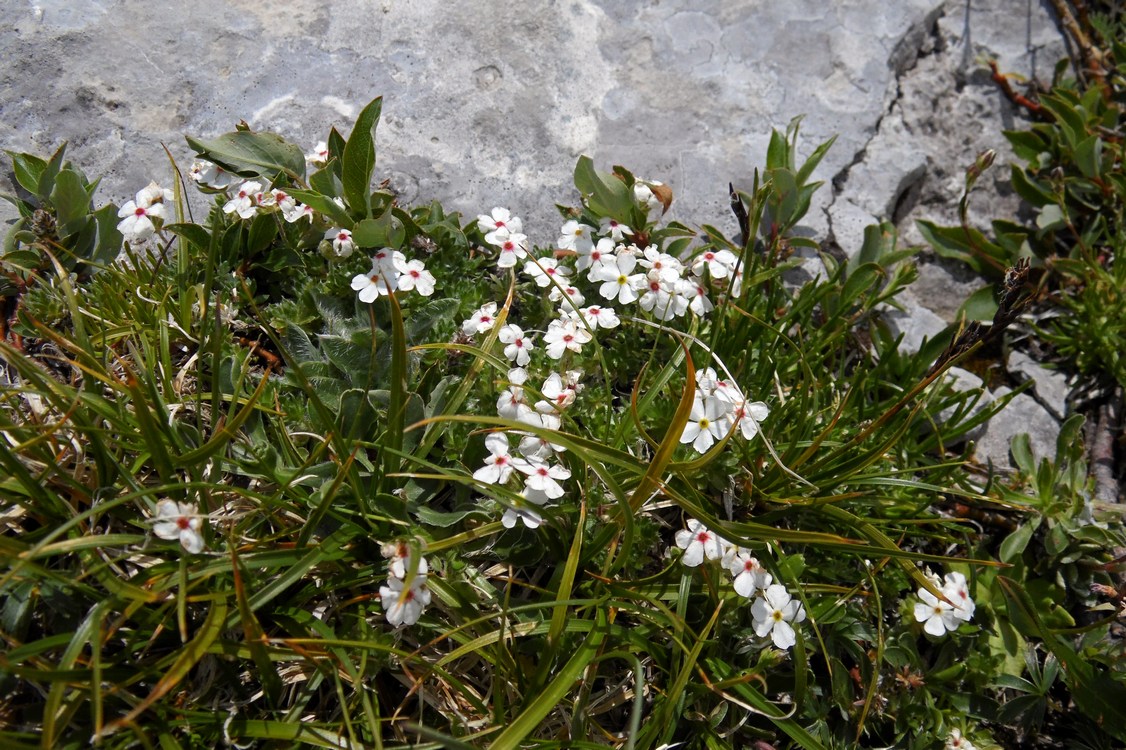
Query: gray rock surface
1022, 415
490, 103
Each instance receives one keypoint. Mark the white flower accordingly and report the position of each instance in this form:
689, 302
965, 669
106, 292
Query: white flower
244, 202
558, 395
938, 616
749, 574
285, 202
645, 198
955, 741
747, 416
342, 245
152, 194
375, 283
661, 298
563, 335
297, 212
698, 543
498, 464
542, 477
483, 319
389, 261
137, 222
179, 521
773, 611
596, 256
518, 346
403, 605
401, 560
415, 276
957, 590
614, 229
318, 157
512, 403
666, 267
619, 282
499, 219
543, 270
534, 446
527, 516
576, 236
512, 248
569, 297
210, 174
600, 317
697, 296
718, 262
705, 424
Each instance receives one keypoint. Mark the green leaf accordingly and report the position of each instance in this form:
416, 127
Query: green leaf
1015, 543
543, 703
605, 194
192, 233
252, 154
1030, 189
980, 306
324, 205
358, 161
109, 238
28, 169
373, 232
71, 202
46, 184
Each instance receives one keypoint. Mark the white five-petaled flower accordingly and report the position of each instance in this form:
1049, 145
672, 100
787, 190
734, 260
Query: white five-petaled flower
542, 476
576, 236
179, 521
697, 296
513, 247
558, 395
518, 347
378, 282
937, 616
498, 220
600, 317
244, 202
318, 157
662, 298
137, 215
718, 262
498, 464
614, 229
483, 319
528, 516
748, 416
297, 212
705, 424
956, 589
342, 244
210, 174
955, 741
749, 574
569, 297
563, 334
666, 267
596, 256
402, 604
534, 446
699, 543
773, 613
415, 276
619, 282
543, 270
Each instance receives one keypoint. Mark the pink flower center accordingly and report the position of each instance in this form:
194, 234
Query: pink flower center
139, 212
703, 537
183, 522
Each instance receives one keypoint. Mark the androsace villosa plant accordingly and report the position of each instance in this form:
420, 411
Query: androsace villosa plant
322, 469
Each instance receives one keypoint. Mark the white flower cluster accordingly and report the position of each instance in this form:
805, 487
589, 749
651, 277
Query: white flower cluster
774, 611
940, 617
390, 271
137, 215
248, 198
406, 594
720, 406
534, 454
